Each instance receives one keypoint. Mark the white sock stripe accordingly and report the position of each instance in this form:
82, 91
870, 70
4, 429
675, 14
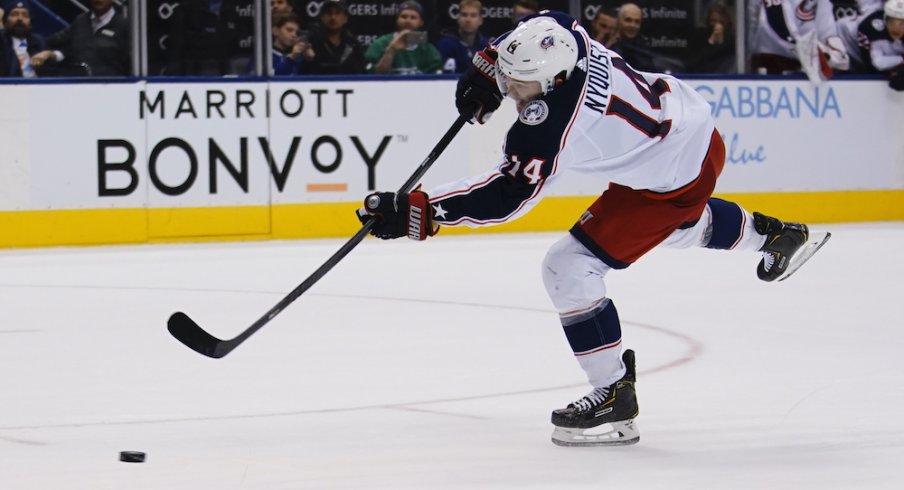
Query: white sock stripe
578, 316
598, 349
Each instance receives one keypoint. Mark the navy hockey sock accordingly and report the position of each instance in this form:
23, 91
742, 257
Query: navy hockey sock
728, 220
594, 330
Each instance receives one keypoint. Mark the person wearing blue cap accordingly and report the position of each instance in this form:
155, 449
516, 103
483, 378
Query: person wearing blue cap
17, 42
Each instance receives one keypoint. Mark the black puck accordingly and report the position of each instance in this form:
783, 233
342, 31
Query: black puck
131, 456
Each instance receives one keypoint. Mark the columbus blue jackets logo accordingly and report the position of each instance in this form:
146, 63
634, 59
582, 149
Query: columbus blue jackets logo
547, 42
534, 113
806, 10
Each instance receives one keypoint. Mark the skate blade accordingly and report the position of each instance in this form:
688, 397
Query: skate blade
814, 243
621, 433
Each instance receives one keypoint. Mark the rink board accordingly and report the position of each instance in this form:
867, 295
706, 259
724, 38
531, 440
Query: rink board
239, 159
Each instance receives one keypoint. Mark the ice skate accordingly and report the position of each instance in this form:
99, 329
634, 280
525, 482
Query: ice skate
604, 417
788, 246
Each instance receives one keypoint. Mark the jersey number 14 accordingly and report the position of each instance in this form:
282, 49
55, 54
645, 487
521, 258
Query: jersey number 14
651, 93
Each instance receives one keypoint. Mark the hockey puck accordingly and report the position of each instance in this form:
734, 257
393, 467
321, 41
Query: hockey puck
131, 456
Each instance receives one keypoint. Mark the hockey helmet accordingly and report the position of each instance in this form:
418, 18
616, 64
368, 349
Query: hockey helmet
894, 9
537, 50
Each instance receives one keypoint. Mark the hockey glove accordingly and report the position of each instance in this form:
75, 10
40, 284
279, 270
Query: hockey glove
837, 56
812, 61
398, 215
477, 94
896, 78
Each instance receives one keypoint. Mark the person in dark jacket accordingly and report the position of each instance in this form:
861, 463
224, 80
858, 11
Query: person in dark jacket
633, 46
95, 44
712, 47
18, 44
458, 46
334, 49
204, 38
6, 67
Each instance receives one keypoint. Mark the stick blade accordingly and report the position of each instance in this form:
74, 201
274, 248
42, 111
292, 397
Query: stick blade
194, 337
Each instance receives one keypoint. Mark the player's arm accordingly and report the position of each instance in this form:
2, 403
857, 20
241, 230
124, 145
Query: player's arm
827, 31
826, 25
504, 194
501, 195
790, 16
883, 56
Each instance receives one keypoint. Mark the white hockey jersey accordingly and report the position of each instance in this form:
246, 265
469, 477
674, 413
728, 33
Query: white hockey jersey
641, 130
782, 22
867, 40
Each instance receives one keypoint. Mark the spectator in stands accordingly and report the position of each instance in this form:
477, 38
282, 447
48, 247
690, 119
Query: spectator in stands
457, 47
406, 51
335, 51
629, 42
95, 44
278, 7
17, 42
203, 38
289, 49
602, 26
712, 48
523, 8
6, 63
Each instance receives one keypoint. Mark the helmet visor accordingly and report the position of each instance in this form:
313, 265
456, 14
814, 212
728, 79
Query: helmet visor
522, 90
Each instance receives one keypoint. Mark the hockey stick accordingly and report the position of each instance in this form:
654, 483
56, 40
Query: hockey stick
196, 338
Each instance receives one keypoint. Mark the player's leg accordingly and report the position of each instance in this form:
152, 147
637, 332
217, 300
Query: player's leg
574, 279
615, 231
725, 225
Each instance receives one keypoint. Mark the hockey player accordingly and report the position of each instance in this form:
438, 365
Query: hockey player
875, 40
581, 107
798, 33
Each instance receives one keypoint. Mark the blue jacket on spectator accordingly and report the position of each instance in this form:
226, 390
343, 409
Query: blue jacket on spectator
455, 53
6, 64
283, 65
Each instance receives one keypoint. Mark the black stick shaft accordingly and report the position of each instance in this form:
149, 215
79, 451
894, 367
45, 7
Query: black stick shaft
224, 347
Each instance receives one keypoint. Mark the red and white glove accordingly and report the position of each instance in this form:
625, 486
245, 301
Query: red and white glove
399, 215
477, 95
837, 55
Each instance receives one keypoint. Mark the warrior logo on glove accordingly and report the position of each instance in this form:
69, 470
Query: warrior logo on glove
398, 215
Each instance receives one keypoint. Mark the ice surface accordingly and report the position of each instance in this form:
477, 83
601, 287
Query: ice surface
435, 365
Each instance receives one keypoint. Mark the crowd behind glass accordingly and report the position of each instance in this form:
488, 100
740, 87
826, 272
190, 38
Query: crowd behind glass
213, 38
